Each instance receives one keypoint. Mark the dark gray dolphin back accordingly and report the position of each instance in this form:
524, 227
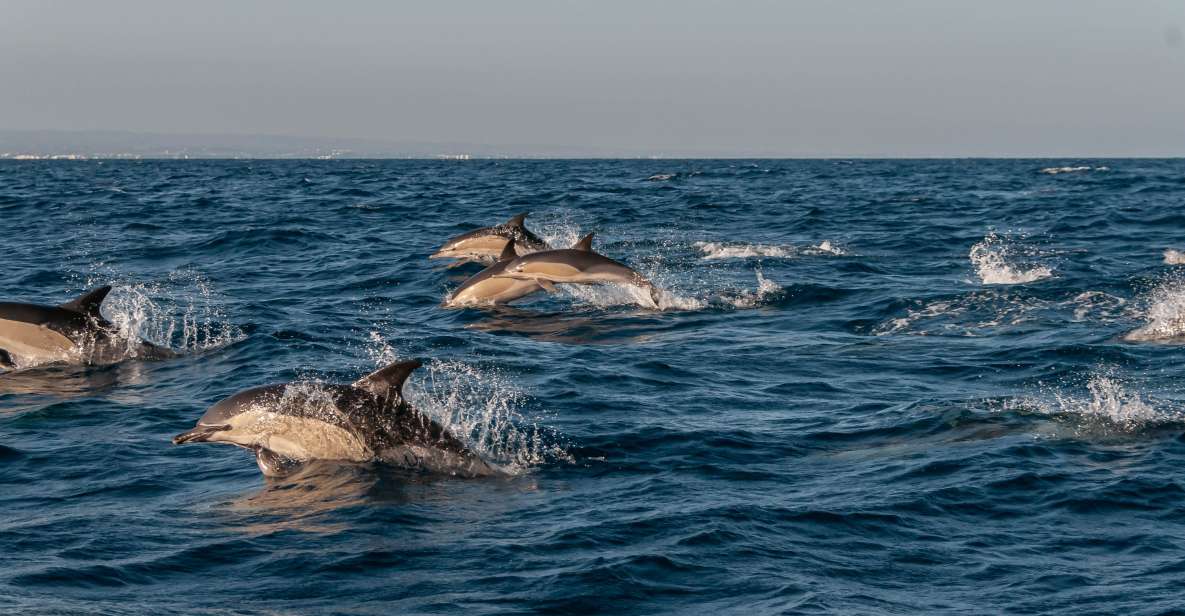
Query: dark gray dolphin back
516, 229
221, 412
89, 303
389, 380
584, 243
72, 319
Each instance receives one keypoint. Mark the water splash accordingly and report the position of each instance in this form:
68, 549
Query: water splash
1000, 259
182, 314
1174, 257
670, 298
557, 227
766, 289
484, 409
1109, 407
1164, 314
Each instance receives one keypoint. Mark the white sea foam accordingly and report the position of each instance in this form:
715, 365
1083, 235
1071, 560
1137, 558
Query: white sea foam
721, 250
1174, 257
1078, 169
1097, 306
1000, 259
1164, 314
971, 314
662, 177
669, 299
751, 299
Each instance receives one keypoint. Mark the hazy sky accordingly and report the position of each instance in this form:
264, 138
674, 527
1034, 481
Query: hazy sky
811, 77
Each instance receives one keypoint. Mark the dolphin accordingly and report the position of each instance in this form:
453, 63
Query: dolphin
287, 425
486, 244
486, 287
575, 265
74, 332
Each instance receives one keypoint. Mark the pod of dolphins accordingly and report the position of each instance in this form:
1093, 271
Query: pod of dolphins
368, 421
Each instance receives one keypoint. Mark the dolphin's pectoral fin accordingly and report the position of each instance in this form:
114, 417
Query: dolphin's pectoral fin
6, 360
547, 286
89, 302
272, 464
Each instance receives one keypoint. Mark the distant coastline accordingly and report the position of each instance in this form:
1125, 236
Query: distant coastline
130, 145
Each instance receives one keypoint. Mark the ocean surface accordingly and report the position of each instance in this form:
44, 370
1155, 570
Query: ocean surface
874, 387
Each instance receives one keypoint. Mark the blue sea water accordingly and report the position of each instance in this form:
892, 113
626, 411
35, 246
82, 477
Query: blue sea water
893, 387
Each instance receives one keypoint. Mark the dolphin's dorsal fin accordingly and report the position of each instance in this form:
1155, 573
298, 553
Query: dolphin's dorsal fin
584, 244
89, 302
517, 221
382, 381
508, 251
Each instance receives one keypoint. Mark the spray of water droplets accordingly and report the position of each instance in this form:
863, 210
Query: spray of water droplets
1003, 259
180, 313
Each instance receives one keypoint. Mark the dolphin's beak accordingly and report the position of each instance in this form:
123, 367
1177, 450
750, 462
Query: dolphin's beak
200, 434
447, 251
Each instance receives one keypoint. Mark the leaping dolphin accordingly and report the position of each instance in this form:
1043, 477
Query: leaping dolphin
74, 332
289, 424
487, 288
486, 244
575, 265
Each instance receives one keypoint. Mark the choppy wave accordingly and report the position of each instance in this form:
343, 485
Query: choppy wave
972, 314
765, 428
1001, 259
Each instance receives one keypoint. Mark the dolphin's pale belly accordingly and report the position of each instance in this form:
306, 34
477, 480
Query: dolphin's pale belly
32, 344
480, 248
494, 290
299, 438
